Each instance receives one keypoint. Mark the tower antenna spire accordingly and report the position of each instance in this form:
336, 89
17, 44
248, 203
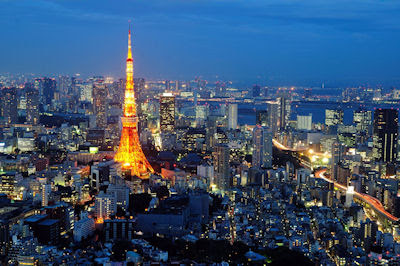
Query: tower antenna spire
129, 152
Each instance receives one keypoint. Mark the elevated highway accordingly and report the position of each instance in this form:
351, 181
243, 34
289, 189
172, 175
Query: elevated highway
367, 200
374, 203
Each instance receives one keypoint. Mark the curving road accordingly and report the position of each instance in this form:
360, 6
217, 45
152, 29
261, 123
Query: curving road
285, 148
373, 202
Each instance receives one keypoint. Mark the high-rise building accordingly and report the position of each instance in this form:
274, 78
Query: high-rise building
32, 105
201, 114
46, 190
385, 135
121, 195
9, 104
232, 116
85, 92
104, 205
221, 167
167, 112
48, 90
64, 85
333, 117
262, 118
262, 147
8, 182
337, 156
273, 116
363, 120
130, 153
256, 91
304, 122
100, 104
284, 112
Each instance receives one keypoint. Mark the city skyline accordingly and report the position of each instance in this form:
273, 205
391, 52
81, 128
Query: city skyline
291, 156
282, 43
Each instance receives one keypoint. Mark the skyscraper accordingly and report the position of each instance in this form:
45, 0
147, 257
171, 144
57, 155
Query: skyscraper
130, 152
100, 104
337, 155
304, 122
104, 205
46, 190
48, 89
262, 147
262, 118
64, 85
8, 182
232, 116
273, 116
284, 112
9, 104
167, 112
385, 135
221, 167
363, 120
333, 117
32, 105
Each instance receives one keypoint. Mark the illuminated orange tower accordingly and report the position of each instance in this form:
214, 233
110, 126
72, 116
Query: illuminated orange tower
129, 152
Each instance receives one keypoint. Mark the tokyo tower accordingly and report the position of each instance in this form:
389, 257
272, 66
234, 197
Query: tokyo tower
129, 152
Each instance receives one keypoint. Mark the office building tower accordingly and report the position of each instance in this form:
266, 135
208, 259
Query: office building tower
8, 182
9, 103
100, 104
304, 122
121, 195
256, 91
48, 87
32, 105
232, 116
64, 85
221, 167
130, 153
363, 120
385, 135
262, 118
333, 117
273, 116
201, 114
104, 205
262, 147
284, 112
99, 174
167, 112
85, 92
337, 156
46, 190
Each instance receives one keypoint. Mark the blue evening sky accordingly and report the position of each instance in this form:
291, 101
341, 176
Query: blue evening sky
281, 41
